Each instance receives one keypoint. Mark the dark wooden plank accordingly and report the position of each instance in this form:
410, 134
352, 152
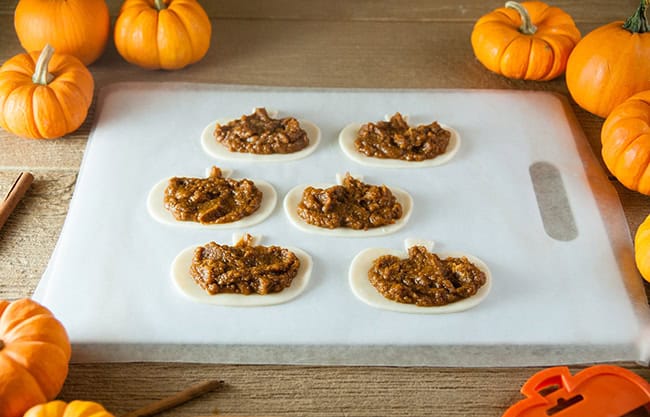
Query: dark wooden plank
637, 205
394, 10
306, 391
28, 238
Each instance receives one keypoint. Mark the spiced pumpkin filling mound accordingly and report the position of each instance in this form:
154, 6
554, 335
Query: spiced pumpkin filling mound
258, 133
424, 279
243, 268
212, 200
352, 204
395, 139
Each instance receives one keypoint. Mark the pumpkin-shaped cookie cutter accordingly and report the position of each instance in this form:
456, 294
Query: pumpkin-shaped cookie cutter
598, 391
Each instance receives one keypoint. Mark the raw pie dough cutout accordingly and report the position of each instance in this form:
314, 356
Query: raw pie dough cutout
157, 210
183, 281
293, 197
217, 150
349, 134
364, 290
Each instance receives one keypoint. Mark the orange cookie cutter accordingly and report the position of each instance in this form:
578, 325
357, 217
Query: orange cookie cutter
598, 391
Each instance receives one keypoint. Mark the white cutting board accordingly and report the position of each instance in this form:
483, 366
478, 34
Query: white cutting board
552, 301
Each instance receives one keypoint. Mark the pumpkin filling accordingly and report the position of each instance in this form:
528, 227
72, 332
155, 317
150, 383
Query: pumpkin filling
258, 133
243, 268
424, 279
353, 204
211, 200
395, 139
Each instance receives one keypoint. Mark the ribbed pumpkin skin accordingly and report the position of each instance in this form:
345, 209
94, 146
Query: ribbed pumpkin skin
642, 248
502, 48
73, 409
73, 27
34, 356
607, 66
168, 39
44, 111
625, 139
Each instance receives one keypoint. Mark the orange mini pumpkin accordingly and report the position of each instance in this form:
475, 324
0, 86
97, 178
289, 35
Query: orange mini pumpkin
73, 409
625, 139
167, 34
34, 356
642, 248
530, 41
611, 64
73, 27
44, 96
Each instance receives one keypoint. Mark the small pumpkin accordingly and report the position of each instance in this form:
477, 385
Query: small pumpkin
642, 248
167, 34
44, 96
73, 27
529, 40
611, 64
34, 356
73, 409
625, 139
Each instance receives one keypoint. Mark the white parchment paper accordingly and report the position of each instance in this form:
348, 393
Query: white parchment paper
551, 302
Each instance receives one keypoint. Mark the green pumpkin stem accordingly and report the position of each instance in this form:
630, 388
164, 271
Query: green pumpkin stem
41, 76
160, 5
527, 26
638, 22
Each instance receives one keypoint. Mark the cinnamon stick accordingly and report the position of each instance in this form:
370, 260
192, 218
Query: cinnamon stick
16, 192
176, 399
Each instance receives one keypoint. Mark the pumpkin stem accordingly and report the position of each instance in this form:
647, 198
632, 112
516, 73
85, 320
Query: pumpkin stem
160, 5
638, 22
2, 344
41, 76
527, 27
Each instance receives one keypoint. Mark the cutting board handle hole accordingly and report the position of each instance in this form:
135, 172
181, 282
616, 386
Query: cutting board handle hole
552, 201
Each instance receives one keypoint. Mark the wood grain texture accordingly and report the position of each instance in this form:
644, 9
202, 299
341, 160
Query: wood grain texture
310, 391
29, 236
393, 10
323, 54
311, 43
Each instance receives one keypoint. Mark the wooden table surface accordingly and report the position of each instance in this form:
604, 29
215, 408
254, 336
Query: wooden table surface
336, 43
